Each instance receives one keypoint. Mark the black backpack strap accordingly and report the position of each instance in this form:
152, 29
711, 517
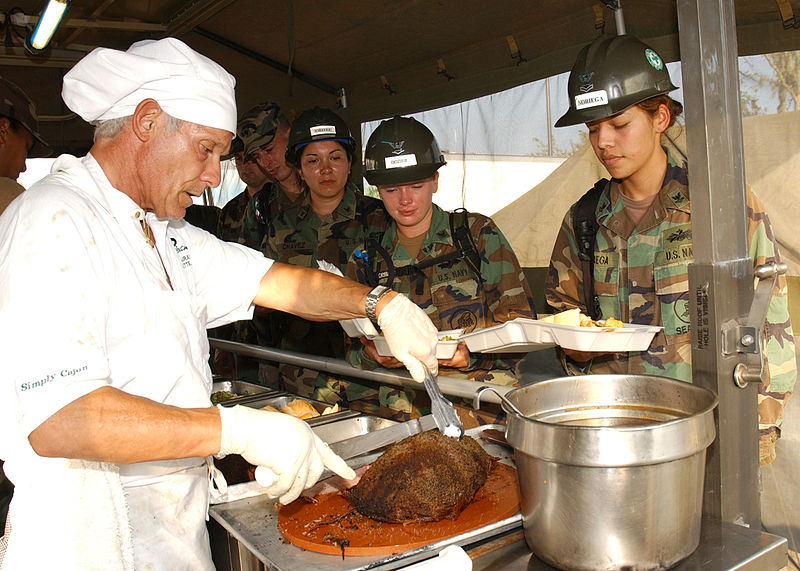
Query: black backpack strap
371, 255
584, 222
462, 238
459, 228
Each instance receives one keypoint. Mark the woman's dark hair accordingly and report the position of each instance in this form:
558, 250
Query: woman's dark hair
651, 106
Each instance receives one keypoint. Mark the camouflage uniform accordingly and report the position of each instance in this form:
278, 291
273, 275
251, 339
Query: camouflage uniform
236, 226
641, 276
272, 200
453, 298
297, 236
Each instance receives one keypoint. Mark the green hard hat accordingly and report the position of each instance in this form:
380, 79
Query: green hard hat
400, 151
610, 75
318, 124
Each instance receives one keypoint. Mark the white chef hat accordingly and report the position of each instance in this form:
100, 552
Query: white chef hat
107, 84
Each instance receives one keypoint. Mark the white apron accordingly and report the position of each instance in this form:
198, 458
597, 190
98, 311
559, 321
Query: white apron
164, 511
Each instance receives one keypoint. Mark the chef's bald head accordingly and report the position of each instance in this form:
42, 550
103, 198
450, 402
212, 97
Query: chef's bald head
109, 84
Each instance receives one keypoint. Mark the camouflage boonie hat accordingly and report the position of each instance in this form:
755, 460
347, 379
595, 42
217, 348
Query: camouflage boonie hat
236, 147
256, 128
15, 104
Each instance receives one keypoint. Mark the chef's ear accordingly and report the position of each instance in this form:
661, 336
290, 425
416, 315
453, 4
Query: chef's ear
145, 119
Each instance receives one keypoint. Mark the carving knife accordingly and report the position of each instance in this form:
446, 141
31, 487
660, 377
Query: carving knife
363, 443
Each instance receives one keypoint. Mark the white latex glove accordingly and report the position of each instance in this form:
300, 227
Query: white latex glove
411, 336
281, 443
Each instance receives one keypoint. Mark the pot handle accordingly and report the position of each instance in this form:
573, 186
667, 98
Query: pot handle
476, 401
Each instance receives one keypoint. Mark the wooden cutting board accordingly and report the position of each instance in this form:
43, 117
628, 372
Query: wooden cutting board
332, 526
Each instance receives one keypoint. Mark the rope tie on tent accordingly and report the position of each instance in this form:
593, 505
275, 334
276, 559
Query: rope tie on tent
386, 86
513, 48
599, 18
443, 70
788, 18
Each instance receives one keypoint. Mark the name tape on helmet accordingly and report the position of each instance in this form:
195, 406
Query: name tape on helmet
322, 130
591, 99
401, 161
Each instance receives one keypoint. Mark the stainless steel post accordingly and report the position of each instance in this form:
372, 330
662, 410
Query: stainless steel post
721, 276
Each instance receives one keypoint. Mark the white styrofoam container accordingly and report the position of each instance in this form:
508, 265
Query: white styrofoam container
358, 326
520, 335
444, 349
631, 337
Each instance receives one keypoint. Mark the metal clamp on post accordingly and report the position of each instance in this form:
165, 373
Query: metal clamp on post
747, 339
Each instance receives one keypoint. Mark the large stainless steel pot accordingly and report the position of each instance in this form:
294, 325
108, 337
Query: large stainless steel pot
611, 468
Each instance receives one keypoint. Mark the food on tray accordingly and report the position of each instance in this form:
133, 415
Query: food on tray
568, 317
447, 338
425, 477
220, 396
330, 409
575, 318
300, 408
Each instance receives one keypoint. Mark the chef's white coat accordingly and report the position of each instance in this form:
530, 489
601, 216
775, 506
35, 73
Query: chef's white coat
84, 303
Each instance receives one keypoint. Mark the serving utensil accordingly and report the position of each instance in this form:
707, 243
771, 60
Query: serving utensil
443, 411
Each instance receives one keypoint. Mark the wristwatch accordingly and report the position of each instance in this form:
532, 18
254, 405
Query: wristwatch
372, 302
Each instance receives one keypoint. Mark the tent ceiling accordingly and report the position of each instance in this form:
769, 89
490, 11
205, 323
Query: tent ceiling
354, 43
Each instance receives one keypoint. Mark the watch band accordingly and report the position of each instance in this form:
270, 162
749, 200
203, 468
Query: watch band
372, 302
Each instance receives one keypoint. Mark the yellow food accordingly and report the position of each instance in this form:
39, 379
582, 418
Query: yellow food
270, 408
568, 317
330, 409
300, 408
576, 318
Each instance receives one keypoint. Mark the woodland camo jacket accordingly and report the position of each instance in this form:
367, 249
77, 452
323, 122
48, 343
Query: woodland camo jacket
641, 276
297, 236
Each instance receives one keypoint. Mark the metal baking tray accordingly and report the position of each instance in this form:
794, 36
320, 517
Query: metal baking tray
281, 399
241, 389
350, 427
253, 522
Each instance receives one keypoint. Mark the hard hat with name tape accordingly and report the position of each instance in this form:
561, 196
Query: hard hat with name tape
610, 75
400, 151
318, 124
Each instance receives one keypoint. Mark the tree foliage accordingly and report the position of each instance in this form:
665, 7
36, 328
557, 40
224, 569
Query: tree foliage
782, 80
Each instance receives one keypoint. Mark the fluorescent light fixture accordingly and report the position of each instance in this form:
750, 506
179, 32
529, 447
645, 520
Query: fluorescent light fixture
46, 26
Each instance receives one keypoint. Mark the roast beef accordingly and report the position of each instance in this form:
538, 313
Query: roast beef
425, 477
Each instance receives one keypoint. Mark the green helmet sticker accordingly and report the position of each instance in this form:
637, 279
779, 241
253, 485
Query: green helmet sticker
654, 59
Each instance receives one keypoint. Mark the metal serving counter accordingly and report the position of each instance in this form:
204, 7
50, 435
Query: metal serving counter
245, 539
245, 536
723, 546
